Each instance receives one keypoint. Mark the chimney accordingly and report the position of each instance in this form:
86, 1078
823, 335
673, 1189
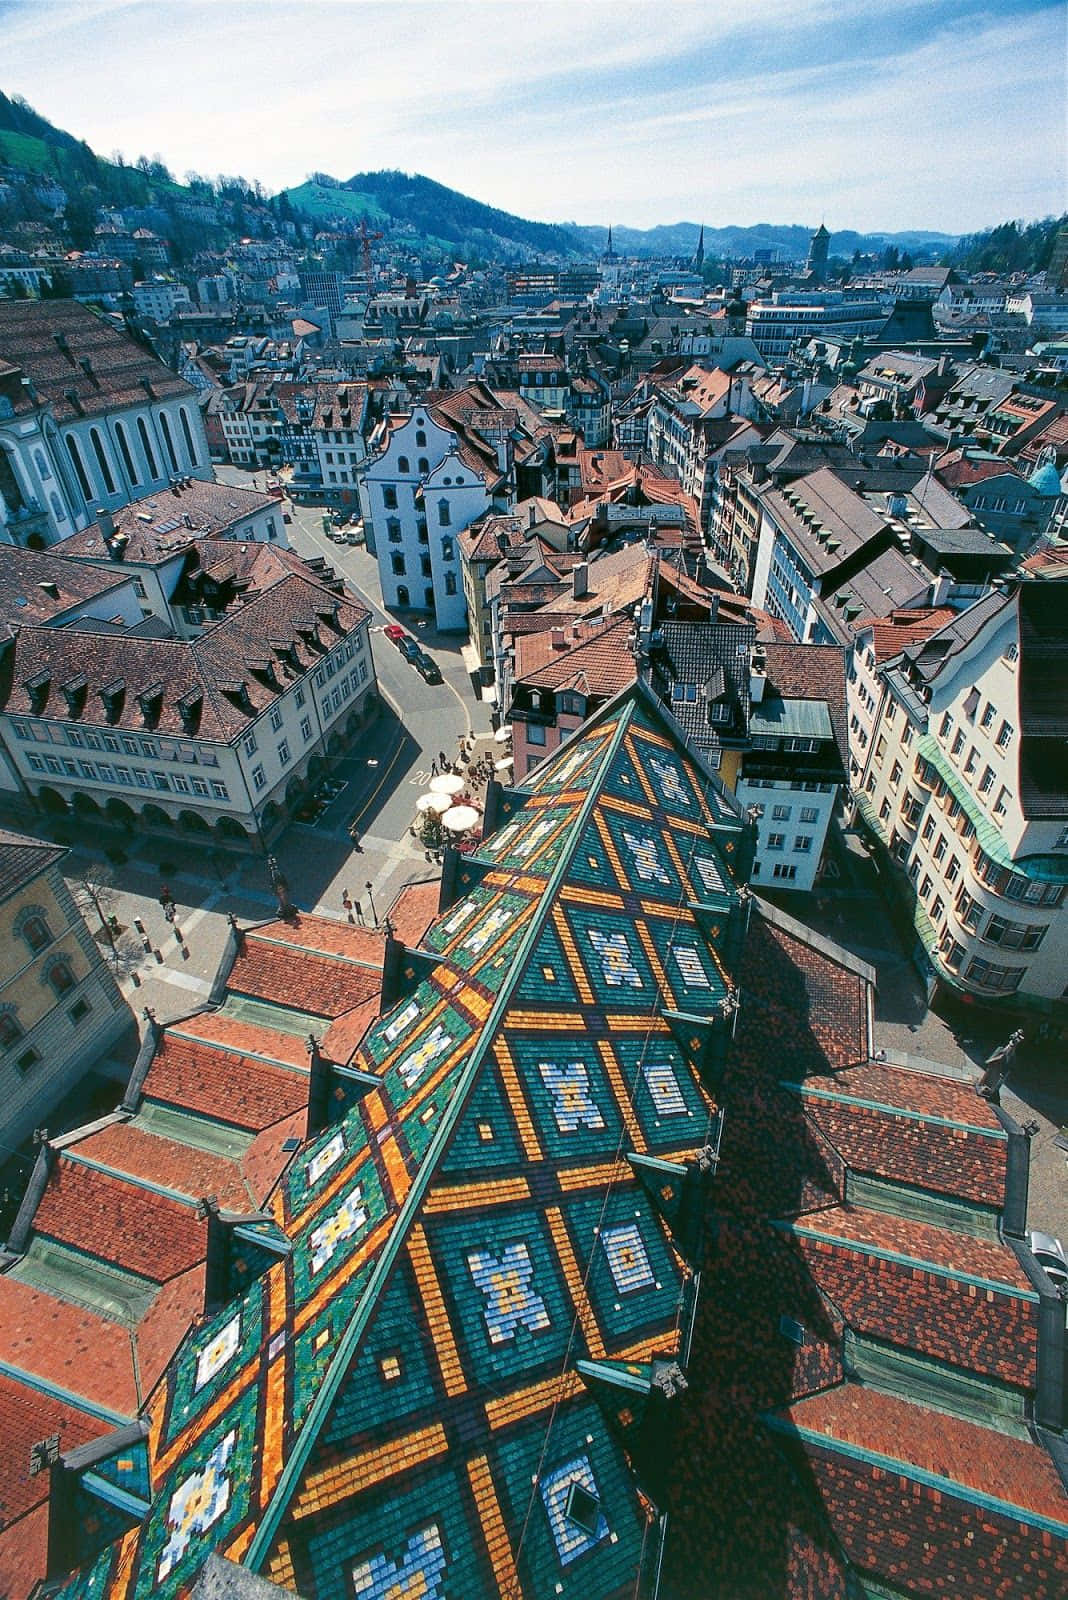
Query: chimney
117, 546
580, 580
557, 638
532, 517
105, 522
758, 675
940, 589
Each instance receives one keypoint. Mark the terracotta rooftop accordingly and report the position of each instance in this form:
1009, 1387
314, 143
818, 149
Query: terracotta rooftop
69, 1346
992, 1463
891, 634
282, 965
40, 586
49, 340
26, 1417
161, 524
226, 1086
119, 1221
597, 662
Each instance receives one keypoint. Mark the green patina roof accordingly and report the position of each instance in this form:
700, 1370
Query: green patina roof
395, 1401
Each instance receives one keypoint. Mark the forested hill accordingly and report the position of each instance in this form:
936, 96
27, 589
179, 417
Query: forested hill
436, 213
1010, 247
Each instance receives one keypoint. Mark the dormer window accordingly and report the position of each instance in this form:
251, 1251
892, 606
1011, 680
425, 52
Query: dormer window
113, 695
74, 692
150, 700
37, 688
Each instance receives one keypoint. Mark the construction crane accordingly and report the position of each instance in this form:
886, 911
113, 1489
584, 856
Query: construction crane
366, 237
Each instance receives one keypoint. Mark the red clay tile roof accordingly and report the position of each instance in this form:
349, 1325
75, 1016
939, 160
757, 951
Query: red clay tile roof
166, 1323
265, 1160
891, 634
414, 909
175, 1166
918, 1130
39, 586
821, 1006
223, 1084
247, 1038
340, 1040
161, 524
188, 669
597, 663
119, 366
289, 972
27, 1416
119, 1222
932, 1309
1013, 1470
71, 1347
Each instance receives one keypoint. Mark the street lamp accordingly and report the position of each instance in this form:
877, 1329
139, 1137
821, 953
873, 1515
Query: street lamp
368, 886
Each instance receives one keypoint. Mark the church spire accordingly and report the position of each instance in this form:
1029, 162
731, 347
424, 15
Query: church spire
609, 253
699, 258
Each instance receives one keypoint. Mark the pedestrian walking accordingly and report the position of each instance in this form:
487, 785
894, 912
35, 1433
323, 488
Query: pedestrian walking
441, 760
433, 769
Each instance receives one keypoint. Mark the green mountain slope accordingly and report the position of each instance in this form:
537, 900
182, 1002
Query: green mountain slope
440, 215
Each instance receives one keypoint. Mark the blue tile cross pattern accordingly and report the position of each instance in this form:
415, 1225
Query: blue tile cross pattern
416, 1576
511, 1301
628, 1259
573, 1104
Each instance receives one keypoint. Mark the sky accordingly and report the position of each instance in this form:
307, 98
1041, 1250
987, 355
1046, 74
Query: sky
884, 115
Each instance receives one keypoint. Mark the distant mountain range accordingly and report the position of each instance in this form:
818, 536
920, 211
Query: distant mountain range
408, 208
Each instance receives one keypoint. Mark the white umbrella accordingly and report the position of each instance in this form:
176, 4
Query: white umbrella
504, 733
433, 802
448, 783
502, 766
459, 818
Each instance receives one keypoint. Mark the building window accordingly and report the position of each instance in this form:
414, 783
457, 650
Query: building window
987, 780
988, 714
952, 952
219, 790
79, 468
187, 431
895, 774
776, 841
283, 753
393, 530
259, 777
276, 719
958, 746
781, 813
444, 514
32, 926
60, 978
125, 452
953, 870
989, 976
250, 745
10, 1032
940, 847
420, 438
305, 728
785, 870
450, 583
803, 843
946, 725
389, 497
102, 460
168, 441
403, 464
397, 561
1004, 738
28, 1058
146, 445
971, 704
79, 1010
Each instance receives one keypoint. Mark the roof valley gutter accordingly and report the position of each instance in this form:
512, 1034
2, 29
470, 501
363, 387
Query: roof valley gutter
271, 1515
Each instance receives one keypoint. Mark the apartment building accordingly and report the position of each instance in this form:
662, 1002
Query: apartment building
966, 785
775, 325
87, 418
215, 735
60, 1007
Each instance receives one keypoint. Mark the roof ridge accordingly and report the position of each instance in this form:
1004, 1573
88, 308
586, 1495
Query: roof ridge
408, 1212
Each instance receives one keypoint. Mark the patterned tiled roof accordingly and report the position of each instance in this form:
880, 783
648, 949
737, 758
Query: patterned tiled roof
395, 1404
279, 965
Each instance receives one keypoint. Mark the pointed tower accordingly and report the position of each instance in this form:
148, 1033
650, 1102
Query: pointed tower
609, 252
699, 258
819, 245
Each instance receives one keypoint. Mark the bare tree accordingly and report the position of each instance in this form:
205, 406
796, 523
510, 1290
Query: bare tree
93, 888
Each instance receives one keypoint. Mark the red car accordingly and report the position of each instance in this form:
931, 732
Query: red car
395, 632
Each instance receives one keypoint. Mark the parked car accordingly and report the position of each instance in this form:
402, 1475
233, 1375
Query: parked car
1049, 1253
394, 633
426, 665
